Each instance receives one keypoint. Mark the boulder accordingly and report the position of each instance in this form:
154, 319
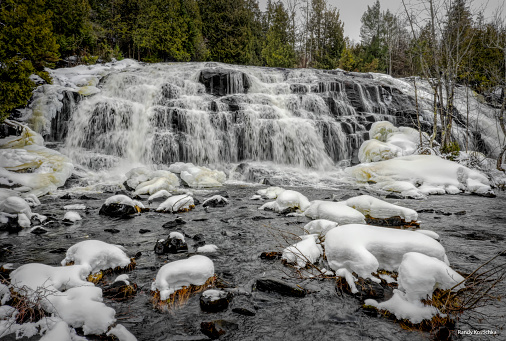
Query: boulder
118, 210
120, 290
174, 243
217, 328
222, 82
280, 287
213, 301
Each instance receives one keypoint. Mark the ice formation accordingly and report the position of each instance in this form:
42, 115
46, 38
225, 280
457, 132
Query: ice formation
419, 175
303, 252
198, 177
419, 276
177, 203
287, 199
173, 276
42, 169
364, 249
334, 211
97, 255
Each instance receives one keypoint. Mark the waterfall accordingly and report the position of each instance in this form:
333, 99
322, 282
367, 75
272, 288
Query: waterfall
216, 114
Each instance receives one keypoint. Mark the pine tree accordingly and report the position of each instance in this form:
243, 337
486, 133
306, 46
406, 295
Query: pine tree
277, 50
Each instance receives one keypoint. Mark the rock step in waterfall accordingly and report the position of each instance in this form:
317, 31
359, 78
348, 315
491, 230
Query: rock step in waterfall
213, 113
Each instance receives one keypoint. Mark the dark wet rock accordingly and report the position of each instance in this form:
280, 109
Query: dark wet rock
258, 217
270, 255
170, 245
460, 213
426, 210
200, 219
489, 194
368, 289
173, 223
394, 196
217, 328
53, 223
11, 226
443, 333
121, 192
118, 210
6, 269
66, 197
188, 338
280, 287
370, 311
112, 231
38, 230
142, 231
213, 301
138, 255
120, 290
215, 201
198, 240
85, 197
437, 217
128, 188
222, 82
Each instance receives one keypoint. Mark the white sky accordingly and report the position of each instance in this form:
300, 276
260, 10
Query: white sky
351, 11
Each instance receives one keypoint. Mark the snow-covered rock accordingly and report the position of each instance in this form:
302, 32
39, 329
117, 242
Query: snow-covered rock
72, 216
177, 203
270, 192
287, 200
364, 249
145, 181
377, 208
173, 276
198, 177
307, 250
97, 255
160, 195
334, 211
319, 226
215, 201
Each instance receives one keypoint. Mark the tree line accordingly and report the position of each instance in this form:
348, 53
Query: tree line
449, 44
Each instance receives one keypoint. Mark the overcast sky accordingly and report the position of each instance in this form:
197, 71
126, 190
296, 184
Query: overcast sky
351, 11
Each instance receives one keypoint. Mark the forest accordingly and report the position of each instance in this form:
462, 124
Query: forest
442, 40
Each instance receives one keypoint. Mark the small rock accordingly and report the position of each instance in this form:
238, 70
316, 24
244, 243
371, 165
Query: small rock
256, 218
199, 240
112, 230
66, 197
85, 197
270, 255
394, 196
118, 210
279, 286
120, 290
58, 250
215, 201
200, 219
217, 328
171, 245
425, 210
242, 306
213, 301
38, 230
142, 231
460, 213
174, 223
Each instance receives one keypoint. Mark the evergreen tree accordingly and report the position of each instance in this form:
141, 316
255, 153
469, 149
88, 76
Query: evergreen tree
277, 50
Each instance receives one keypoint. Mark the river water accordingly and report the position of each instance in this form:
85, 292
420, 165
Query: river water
242, 233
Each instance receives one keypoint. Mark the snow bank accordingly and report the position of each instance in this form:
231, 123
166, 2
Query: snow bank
420, 175
173, 276
364, 249
287, 199
376, 208
97, 255
198, 177
28, 166
307, 250
177, 203
334, 211
419, 276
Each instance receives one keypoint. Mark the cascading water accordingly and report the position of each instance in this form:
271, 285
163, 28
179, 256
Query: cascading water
218, 114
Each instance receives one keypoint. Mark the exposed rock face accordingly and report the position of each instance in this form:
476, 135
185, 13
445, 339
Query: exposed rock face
59, 123
222, 82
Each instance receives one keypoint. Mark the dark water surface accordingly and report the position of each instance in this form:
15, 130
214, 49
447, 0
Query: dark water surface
324, 314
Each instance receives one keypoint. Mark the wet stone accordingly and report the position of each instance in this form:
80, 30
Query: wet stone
120, 290
142, 231
241, 305
173, 223
112, 230
66, 196
217, 201
38, 230
213, 301
280, 287
11, 226
333, 318
256, 218
118, 210
368, 289
217, 328
170, 245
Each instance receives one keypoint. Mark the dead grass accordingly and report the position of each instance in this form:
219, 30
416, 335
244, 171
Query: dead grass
98, 276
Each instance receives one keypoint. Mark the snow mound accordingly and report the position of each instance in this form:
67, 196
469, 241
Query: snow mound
420, 175
208, 248
145, 181
286, 200
97, 255
123, 200
376, 208
215, 200
121, 333
198, 177
173, 276
307, 250
270, 192
419, 276
13, 206
75, 207
319, 226
162, 194
72, 216
28, 166
334, 211
177, 203
364, 249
